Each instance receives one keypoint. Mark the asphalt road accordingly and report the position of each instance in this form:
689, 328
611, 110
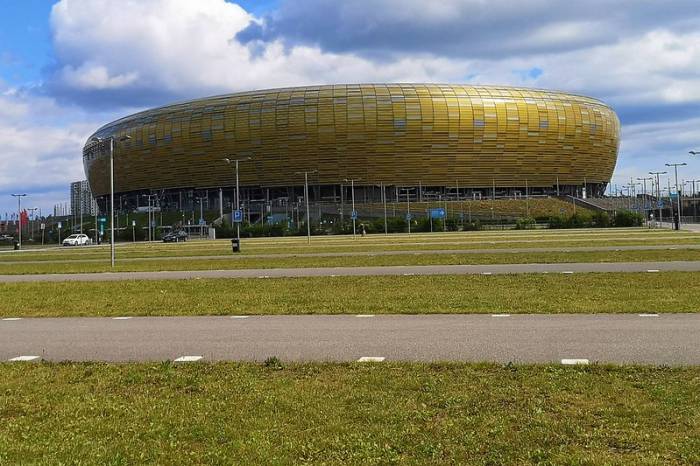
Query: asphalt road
672, 339
582, 267
415, 252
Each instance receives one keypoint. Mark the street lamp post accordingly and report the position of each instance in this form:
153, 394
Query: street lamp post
306, 199
658, 191
644, 195
238, 197
19, 216
111, 189
678, 193
354, 214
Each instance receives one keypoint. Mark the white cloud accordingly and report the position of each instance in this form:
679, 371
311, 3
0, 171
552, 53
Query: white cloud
138, 53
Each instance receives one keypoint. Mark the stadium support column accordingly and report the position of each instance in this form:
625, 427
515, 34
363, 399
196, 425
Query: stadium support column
221, 203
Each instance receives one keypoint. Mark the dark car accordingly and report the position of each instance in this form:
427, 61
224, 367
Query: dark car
175, 236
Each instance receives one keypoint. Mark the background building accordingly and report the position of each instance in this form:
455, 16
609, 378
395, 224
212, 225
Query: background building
81, 199
396, 141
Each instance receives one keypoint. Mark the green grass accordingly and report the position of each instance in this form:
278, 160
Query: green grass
242, 262
373, 243
526, 293
389, 413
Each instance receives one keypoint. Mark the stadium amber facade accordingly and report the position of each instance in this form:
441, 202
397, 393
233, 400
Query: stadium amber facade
454, 140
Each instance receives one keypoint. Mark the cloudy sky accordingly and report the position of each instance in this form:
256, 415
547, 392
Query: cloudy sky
67, 67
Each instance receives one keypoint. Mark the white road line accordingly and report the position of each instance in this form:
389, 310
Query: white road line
239, 317
573, 362
568, 272
188, 359
652, 270
485, 273
371, 359
121, 318
500, 315
24, 358
8, 319
408, 274
648, 315
364, 315
263, 276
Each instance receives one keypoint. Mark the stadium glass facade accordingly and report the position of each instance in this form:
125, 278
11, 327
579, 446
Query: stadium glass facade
418, 140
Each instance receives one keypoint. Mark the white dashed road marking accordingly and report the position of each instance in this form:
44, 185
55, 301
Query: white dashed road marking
239, 317
485, 273
12, 318
573, 362
568, 272
121, 318
24, 358
364, 315
652, 270
188, 359
500, 315
371, 359
263, 276
648, 315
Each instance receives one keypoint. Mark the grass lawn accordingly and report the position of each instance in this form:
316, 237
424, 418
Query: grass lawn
525, 293
243, 262
372, 243
231, 413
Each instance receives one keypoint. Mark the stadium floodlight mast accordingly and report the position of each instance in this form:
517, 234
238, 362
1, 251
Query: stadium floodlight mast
238, 197
306, 198
678, 193
101, 141
19, 216
352, 190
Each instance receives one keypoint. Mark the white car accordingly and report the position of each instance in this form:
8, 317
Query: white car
77, 240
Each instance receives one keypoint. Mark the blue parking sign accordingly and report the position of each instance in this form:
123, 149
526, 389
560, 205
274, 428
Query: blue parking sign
238, 216
353, 215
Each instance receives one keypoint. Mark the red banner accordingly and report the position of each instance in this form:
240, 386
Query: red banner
24, 218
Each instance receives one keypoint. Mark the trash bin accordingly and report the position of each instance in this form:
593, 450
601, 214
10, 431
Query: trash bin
16, 245
236, 245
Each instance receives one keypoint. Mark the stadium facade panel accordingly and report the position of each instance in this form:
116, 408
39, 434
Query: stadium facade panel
441, 137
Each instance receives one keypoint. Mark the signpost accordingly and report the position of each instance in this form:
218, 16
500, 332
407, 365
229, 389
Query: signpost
43, 228
133, 231
353, 215
237, 216
59, 232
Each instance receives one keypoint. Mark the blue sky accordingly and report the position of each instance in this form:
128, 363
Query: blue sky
69, 66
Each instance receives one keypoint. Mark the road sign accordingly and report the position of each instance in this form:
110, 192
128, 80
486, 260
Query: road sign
201, 222
660, 205
133, 223
408, 217
60, 225
353, 215
102, 219
437, 213
238, 216
43, 226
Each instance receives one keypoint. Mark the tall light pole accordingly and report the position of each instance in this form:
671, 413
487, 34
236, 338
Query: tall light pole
658, 190
19, 216
352, 191
678, 193
238, 197
111, 188
306, 198
644, 195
